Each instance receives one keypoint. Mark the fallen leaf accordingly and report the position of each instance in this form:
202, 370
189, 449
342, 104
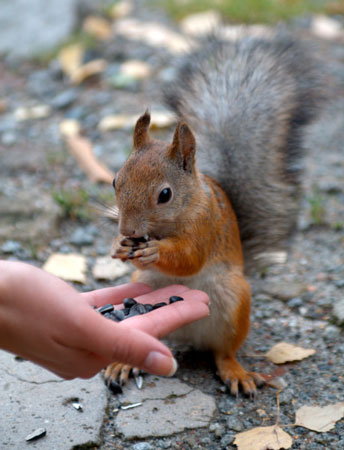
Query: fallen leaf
162, 119
32, 112
277, 383
69, 127
81, 149
263, 438
117, 122
121, 9
70, 267
201, 23
136, 69
88, 70
70, 58
326, 27
319, 418
284, 352
107, 268
159, 119
98, 27
153, 34
3, 105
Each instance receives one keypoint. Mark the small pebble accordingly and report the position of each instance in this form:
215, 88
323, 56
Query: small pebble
11, 247
148, 307
37, 434
129, 302
175, 298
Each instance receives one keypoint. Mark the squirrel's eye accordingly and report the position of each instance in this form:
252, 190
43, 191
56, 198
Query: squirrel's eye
165, 195
114, 183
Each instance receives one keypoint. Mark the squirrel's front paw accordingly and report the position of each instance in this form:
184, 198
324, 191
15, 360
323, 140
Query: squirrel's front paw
141, 253
146, 255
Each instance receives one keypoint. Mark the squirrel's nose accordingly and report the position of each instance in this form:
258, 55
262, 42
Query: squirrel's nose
127, 231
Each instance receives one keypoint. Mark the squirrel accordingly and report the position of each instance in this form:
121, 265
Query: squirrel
225, 190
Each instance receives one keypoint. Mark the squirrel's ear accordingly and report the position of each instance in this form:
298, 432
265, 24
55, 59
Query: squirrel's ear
183, 147
141, 137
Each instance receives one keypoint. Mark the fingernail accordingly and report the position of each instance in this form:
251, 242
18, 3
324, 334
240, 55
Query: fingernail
160, 364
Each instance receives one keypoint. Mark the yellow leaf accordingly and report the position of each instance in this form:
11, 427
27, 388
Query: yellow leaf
136, 69
106, 268
319, 418
121, 9
81, 148
71, 267
98, 27
70, 58
159, 119
263, 438
87, 70
69, 127
284, 352
201, 23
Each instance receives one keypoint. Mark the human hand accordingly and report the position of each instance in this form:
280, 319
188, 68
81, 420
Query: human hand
47, 321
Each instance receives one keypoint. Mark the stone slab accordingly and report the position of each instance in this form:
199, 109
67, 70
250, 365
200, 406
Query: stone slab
168, 406
43, 25
32, 398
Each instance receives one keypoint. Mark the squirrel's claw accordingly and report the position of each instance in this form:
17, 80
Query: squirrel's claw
116, 375
234, 375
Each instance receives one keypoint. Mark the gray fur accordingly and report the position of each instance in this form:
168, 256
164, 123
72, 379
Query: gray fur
247, 103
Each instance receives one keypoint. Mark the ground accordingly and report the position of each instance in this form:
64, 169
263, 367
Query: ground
295, 302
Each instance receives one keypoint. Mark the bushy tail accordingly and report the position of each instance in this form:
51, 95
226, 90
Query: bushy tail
248, 102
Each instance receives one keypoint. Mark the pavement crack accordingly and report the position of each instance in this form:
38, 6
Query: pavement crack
19, 378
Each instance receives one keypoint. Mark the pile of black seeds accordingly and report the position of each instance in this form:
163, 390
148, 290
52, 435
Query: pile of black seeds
132, 308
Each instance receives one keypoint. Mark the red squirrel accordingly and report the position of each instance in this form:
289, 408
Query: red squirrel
228, 181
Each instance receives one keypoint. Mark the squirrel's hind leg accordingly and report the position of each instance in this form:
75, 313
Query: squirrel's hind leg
233, 375
230, 370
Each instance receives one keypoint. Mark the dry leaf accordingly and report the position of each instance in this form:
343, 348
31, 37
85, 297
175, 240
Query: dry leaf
159, 119
71, 267
318, 418
98, 27
153, 34
70, 58
107, 268
136, 69
69, 127
278, 383
117, 122
327, 28
3, 105
201, 23
162, 119
284, 352
263, 438
88, 70
81, 149
121, 9
32, 112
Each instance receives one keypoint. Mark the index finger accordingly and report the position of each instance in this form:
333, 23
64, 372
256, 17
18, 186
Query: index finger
162, 321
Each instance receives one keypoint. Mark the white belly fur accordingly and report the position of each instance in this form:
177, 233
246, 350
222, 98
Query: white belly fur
208, 333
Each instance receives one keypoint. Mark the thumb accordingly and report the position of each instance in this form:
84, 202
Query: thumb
117, 343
